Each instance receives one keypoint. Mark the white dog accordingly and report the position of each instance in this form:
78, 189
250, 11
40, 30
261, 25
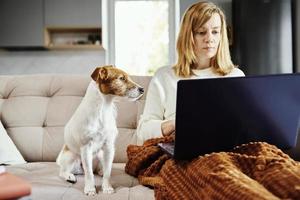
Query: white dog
91, 132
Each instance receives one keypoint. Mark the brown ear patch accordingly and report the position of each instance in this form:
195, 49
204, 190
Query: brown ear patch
95, 74
102, 74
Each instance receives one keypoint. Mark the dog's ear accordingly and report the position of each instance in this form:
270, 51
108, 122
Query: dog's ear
100, 74
103, 74
95, 74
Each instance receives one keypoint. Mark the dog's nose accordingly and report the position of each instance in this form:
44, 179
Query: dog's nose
141, 90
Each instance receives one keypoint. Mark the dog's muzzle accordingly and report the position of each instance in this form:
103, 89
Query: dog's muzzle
135, 93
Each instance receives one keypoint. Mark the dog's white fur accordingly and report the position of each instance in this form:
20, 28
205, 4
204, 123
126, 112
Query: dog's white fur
91, 132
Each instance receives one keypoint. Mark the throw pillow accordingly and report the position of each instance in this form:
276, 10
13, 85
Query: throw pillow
9, 154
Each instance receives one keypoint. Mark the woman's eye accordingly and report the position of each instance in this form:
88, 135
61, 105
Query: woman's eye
201, 33
215, 32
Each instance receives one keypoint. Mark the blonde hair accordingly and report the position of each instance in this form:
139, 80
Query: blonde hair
194, 18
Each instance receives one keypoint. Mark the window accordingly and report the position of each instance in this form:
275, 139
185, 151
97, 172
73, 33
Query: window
141, 34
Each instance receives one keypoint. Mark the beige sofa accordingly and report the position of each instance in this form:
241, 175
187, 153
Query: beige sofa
34, 110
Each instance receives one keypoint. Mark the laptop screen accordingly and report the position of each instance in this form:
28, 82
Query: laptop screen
217, 114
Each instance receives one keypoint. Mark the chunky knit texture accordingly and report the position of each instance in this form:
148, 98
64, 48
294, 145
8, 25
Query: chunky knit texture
251, 171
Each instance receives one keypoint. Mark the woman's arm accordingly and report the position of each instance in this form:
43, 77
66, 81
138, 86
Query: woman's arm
150, 122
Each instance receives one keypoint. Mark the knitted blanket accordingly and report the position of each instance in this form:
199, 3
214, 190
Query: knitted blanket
251, 171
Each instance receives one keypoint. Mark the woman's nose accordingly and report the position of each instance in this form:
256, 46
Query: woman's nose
209, 38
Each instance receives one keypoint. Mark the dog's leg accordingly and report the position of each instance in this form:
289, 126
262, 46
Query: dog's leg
66, 161
108, 156
87, 163
99, 168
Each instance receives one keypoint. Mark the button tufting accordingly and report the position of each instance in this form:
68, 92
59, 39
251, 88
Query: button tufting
49, 94
44, 124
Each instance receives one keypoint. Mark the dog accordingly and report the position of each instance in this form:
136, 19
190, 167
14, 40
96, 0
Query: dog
91, 132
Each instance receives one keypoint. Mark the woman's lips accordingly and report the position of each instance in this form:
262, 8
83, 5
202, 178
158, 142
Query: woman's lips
209, 48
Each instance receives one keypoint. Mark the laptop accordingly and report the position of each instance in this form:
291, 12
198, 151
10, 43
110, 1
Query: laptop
214, 115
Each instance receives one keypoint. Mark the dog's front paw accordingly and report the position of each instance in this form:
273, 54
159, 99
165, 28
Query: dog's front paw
90, 191
107, 188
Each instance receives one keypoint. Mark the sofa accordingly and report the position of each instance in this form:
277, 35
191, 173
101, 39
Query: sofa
34, 110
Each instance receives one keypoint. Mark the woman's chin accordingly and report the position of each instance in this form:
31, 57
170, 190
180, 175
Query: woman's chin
209, 55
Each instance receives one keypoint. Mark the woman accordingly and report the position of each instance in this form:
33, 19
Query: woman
203, 52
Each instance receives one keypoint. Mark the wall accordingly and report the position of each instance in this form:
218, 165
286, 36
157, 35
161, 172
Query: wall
71, 62
32, 62
78, 62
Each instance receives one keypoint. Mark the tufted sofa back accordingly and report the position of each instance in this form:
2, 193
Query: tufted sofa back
35, 108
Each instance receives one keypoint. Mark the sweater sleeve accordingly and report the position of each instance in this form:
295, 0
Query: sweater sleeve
236, 72
150, 122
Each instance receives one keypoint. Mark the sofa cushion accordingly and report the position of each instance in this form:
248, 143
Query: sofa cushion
46, 184
9, 154
35, 109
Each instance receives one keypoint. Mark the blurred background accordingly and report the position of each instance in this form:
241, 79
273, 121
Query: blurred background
139, 36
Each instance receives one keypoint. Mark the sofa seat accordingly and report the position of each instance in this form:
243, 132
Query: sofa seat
46, 184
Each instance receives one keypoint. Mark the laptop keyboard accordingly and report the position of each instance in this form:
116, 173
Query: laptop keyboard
167, 147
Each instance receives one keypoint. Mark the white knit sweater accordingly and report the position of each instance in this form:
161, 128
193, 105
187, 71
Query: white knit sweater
160, 103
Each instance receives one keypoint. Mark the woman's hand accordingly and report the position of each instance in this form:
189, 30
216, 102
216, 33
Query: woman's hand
168, 127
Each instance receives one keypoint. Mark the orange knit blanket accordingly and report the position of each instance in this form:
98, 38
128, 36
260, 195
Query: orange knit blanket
251, 171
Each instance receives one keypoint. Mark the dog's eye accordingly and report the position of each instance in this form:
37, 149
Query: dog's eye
122, 78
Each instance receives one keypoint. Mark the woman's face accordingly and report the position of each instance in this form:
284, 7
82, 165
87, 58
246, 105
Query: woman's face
207, 38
